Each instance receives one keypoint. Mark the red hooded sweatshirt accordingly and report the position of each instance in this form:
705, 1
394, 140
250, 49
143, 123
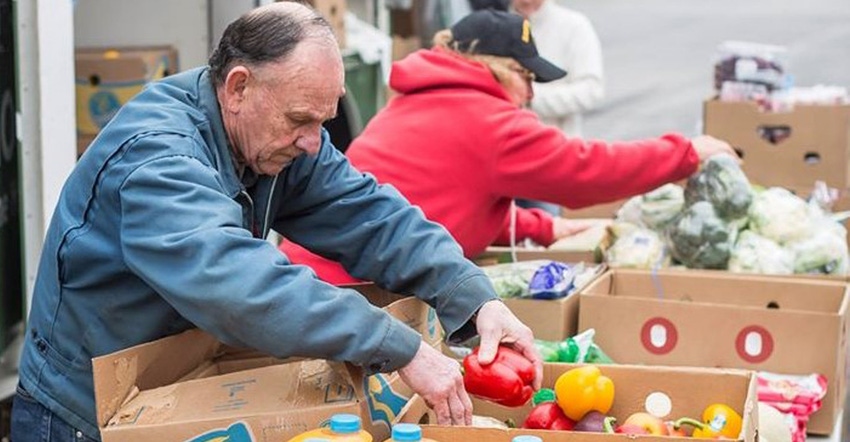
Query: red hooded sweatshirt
455, 145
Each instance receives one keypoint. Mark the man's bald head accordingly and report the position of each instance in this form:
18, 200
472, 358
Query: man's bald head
267, 34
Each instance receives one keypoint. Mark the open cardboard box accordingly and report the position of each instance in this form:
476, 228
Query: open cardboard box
191, 387
582, 247
715, 319
555, 319
791, 149
637, 388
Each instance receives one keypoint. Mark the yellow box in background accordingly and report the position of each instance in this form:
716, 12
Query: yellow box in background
106, 78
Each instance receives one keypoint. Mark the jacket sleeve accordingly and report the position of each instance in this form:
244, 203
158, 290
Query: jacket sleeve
583, 87
536, 161
341, 214
534, 224
184, 237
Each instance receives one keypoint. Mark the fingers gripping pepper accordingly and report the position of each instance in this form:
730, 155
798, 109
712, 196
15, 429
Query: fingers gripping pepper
507, 381
583, 389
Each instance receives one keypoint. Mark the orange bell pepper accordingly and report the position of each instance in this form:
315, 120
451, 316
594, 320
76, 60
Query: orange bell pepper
584, 389
719, 421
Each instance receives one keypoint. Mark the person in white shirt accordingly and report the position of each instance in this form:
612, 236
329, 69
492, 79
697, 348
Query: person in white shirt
568, 39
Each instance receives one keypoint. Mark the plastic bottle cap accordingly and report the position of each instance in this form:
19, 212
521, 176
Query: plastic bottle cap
527, 439
407, 433
345, 423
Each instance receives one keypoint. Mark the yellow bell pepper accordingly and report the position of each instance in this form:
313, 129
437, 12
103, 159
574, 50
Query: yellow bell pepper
719, 420
584, 389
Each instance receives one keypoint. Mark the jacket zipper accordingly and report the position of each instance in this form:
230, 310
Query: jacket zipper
268, 207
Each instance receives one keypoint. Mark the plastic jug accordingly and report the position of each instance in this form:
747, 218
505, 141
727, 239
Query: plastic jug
407, 433
343, 428
526, 438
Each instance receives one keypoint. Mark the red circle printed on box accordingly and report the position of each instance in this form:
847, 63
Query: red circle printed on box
659, 336
754, 344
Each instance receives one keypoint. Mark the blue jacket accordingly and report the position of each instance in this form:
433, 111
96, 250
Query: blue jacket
154, 233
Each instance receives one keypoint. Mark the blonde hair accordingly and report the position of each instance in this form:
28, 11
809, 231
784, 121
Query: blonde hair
500, 67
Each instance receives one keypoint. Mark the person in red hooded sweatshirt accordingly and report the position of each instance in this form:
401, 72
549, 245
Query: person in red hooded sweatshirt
457, 141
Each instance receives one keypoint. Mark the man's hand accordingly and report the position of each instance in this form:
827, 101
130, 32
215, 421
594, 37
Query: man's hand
437, 378
563, 227
496, 324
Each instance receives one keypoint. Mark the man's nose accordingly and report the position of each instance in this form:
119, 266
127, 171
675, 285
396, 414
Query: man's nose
310, 141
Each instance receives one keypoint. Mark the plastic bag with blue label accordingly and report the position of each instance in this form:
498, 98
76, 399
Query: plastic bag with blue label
552, 281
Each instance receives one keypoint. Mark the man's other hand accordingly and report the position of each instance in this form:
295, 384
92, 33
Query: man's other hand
498, 325
437, 378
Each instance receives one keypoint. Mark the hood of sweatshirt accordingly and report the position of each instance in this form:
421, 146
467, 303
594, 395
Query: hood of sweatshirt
430, 69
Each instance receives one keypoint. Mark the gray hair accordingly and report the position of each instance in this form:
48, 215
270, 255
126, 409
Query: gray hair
266, 34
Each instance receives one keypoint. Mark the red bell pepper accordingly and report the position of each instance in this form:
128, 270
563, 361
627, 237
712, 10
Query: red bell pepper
507, 381
548, 416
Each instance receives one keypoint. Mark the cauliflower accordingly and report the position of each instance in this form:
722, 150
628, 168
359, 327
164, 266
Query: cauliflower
637, 248
654, 209
757, 254
781, 216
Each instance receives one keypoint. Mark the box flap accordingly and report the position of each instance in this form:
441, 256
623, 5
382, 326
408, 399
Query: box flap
298, 385
118, 375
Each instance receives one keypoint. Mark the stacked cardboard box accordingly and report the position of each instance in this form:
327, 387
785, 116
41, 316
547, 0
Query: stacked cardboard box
788, 149
106, 78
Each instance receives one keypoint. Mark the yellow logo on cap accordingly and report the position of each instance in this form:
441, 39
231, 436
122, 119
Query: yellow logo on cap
526, 31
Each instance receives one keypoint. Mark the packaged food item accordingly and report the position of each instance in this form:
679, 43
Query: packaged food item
407, 433
343, 428
747, 62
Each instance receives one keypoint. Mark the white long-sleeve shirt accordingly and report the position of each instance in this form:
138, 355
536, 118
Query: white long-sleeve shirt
567, 39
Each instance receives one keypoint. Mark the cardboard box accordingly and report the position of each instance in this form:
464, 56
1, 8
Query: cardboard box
715, 319
551, 320
404, 46
792, 149
334, 12
598, 211
191, 387
106, 78
582, 247
689, 390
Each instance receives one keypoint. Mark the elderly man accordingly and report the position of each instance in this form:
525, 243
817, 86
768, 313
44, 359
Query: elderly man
161, 227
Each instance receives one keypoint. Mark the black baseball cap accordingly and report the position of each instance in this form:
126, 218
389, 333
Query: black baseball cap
504, 34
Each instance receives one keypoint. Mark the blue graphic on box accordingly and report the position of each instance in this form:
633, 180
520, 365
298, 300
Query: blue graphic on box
237, 432
432, 323
103, 105
384, 403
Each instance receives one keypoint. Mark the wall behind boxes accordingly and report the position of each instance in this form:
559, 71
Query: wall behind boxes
184, 24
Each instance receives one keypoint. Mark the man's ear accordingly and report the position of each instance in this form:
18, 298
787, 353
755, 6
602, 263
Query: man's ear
235, 87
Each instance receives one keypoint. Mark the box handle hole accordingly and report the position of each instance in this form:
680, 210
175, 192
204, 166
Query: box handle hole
658, 404
774, 134
94, 80
739, 151
773, 304
811, 158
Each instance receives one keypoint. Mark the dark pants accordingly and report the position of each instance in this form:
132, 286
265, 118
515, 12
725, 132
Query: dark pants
32, 422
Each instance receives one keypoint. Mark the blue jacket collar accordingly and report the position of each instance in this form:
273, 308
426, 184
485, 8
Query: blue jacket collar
208, 100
